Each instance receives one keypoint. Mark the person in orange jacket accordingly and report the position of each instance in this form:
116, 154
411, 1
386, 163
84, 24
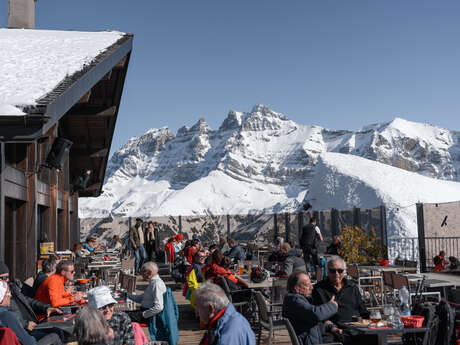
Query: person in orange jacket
440, 261
52, 290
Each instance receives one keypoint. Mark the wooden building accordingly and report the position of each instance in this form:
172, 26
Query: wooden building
56, 152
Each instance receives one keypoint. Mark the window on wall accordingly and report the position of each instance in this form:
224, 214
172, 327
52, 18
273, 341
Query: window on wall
16, 155
43, 224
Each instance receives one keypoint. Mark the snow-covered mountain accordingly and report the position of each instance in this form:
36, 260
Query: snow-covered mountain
261, 161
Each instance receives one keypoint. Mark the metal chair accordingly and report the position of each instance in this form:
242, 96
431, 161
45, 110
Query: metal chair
266, 319
292, 335
400, 280
368, 284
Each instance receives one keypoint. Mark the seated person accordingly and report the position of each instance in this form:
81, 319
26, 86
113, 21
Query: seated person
52, 290
292, 260
48, 268
26, 310
151, 300
218, 268
223, 245
91, 328
275, 255
440, 262
9, 319
236, 251
91, 244
194, 277
333, 248
347, 296
100, 298
303, 315
192, 250
78, 251
116, 243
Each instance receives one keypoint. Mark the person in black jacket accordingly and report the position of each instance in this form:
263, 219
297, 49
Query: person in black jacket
348, 298
333, 248
292, 260
26, 310
309, 244
236, 252
303, 315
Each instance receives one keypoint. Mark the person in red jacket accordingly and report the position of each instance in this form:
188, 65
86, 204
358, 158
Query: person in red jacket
440, 262
169, 249
217, 268
192, 250
52, 289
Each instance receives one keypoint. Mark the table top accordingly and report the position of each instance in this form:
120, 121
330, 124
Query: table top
267, 283
379, 268
383, 330
434, 279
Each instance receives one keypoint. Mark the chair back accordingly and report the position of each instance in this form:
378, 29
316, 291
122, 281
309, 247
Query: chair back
292, 335
387, 278
223, 284
319, 274
262, 307
399, 281
352, 271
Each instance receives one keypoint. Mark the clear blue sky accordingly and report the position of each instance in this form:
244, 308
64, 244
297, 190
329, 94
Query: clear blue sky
337, 64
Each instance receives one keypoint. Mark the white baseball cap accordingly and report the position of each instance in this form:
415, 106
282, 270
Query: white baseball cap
3, 290
99, 297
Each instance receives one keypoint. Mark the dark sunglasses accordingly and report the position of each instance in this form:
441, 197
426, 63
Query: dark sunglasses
107, 306
336, 270
4, 278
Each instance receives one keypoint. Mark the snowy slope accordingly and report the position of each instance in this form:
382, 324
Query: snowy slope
260, 161
343, 181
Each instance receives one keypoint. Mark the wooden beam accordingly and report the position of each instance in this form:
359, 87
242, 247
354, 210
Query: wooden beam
85, 97
92, 111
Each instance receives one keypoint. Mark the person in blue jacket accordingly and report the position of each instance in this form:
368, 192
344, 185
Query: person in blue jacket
223, 324
303, 315
236, 251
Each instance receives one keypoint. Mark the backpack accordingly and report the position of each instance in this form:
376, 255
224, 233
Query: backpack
446, 315
431, 321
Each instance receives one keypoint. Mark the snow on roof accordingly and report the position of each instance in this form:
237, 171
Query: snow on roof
34, 62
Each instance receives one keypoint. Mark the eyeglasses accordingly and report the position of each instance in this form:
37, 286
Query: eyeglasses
336, 270
107, 306
5, 278
71, 272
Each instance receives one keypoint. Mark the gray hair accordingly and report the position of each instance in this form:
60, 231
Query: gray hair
211, 294
49, 265
150, 266
90, 327
335, 258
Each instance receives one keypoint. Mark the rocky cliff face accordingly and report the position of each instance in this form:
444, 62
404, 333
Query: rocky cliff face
259, 161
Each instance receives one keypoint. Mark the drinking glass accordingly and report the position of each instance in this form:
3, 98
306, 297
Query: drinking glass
375, 317
388, 310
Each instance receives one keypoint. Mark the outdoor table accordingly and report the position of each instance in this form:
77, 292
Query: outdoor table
64, 322
383, 332
437, 280
393, 268
267, 283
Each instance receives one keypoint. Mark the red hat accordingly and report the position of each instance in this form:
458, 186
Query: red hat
179, 237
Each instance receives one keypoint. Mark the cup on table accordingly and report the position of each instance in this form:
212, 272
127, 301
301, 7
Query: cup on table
240, 269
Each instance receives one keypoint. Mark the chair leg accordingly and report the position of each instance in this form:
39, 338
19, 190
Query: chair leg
270, 337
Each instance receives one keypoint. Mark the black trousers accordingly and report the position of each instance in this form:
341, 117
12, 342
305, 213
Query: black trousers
311, 258
136, 316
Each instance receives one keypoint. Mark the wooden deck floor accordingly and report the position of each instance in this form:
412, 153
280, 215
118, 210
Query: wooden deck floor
189, 326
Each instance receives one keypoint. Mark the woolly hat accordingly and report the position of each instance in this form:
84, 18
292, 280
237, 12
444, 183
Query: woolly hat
3, 290
99, 297
3, 268
179, 237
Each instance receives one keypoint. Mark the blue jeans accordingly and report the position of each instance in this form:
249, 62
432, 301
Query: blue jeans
140, 257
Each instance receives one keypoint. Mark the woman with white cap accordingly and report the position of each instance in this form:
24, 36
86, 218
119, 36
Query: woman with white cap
100, 298
9, 319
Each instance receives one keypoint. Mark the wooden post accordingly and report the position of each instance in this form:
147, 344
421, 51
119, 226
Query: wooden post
32, 247
287, 226
2, 201
275, 225
228, 227
421, 236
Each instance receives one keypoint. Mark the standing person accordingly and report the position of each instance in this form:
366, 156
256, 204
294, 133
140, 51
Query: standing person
150, 241
223, 324
100, 298
303, 315
136, 238
309, 245
151, 300
52, 289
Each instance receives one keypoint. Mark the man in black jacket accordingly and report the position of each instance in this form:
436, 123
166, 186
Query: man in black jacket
303, 315
292, 260
26, 309
309, 245
348, 298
